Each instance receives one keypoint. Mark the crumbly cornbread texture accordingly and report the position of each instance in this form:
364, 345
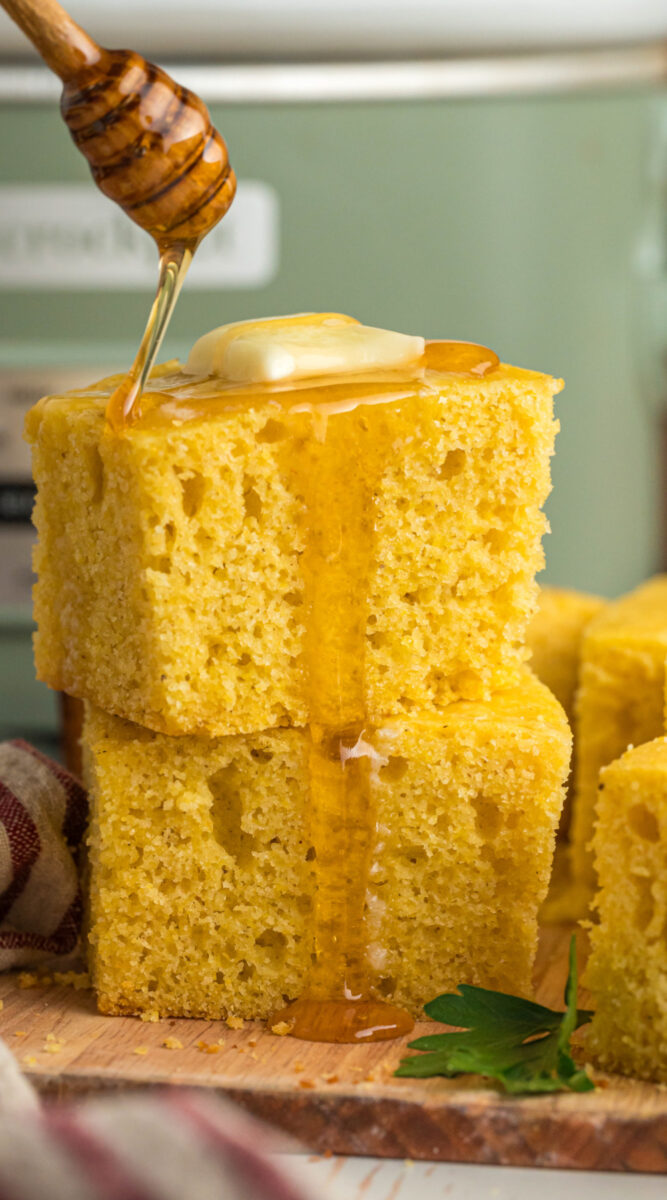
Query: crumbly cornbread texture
170, 589
627, 968
202, 874
620, 702
554, 640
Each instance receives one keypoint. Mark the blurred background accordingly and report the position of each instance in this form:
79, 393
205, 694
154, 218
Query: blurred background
489, 170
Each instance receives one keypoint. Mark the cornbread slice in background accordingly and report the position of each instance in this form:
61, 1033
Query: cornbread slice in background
170, 587
202, 874
627, 967
620, 702
554, 640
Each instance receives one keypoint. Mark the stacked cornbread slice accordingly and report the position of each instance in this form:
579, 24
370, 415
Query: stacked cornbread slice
249, 559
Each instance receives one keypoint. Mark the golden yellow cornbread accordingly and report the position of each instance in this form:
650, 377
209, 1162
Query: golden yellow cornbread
627, 968
202, 875
170, 559
554, 639
620, 702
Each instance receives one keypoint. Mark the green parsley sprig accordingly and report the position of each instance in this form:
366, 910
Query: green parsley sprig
523, 1045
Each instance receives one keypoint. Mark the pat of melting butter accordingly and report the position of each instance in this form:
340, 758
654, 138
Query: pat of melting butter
299, 346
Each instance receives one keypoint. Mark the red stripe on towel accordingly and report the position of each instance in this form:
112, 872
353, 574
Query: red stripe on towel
110, 1177
236, 1147
24, 845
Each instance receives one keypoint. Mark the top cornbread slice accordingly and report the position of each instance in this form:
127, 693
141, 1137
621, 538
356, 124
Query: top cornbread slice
170, 560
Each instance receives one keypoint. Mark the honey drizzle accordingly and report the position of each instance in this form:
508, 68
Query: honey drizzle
336, 476
339, 476
124, 407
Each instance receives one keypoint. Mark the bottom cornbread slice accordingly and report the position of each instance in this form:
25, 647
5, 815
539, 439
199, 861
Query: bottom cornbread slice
627, 969
202, 873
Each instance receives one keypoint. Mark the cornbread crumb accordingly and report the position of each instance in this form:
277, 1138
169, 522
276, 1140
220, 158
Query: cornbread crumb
172, 1043
79, 980
210, 1047
20, 1033
627, 966
28, 979
306, 1083
151, 1015
53, 1047
281, 1028
298, 1066
234, 1022
222, 862
140, 1050
137, 535
30, 1060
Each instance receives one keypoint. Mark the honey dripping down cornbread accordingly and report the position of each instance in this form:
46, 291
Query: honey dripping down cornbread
203, 875
340, 521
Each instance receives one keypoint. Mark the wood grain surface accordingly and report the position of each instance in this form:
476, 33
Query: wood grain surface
340, 1099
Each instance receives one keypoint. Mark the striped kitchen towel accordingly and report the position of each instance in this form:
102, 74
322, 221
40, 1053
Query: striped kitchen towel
43, 813
174, 1144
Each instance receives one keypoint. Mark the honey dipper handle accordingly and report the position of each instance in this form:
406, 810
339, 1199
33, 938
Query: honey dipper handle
65, 47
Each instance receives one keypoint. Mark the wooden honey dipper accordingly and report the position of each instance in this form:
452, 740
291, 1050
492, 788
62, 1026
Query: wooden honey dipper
151, 148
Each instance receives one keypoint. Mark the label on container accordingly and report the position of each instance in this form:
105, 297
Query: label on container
68, 236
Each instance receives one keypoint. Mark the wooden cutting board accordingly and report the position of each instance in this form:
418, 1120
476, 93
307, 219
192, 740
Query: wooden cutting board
341, 1099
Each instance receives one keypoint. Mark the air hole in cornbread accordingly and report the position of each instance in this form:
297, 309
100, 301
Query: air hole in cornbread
194, 487
644, 823
395, 769
273, 431
489, 818
454, 463
251, 498
271, 939
227, 815
495, 540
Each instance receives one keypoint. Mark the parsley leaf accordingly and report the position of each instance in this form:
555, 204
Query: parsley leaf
523, 1045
